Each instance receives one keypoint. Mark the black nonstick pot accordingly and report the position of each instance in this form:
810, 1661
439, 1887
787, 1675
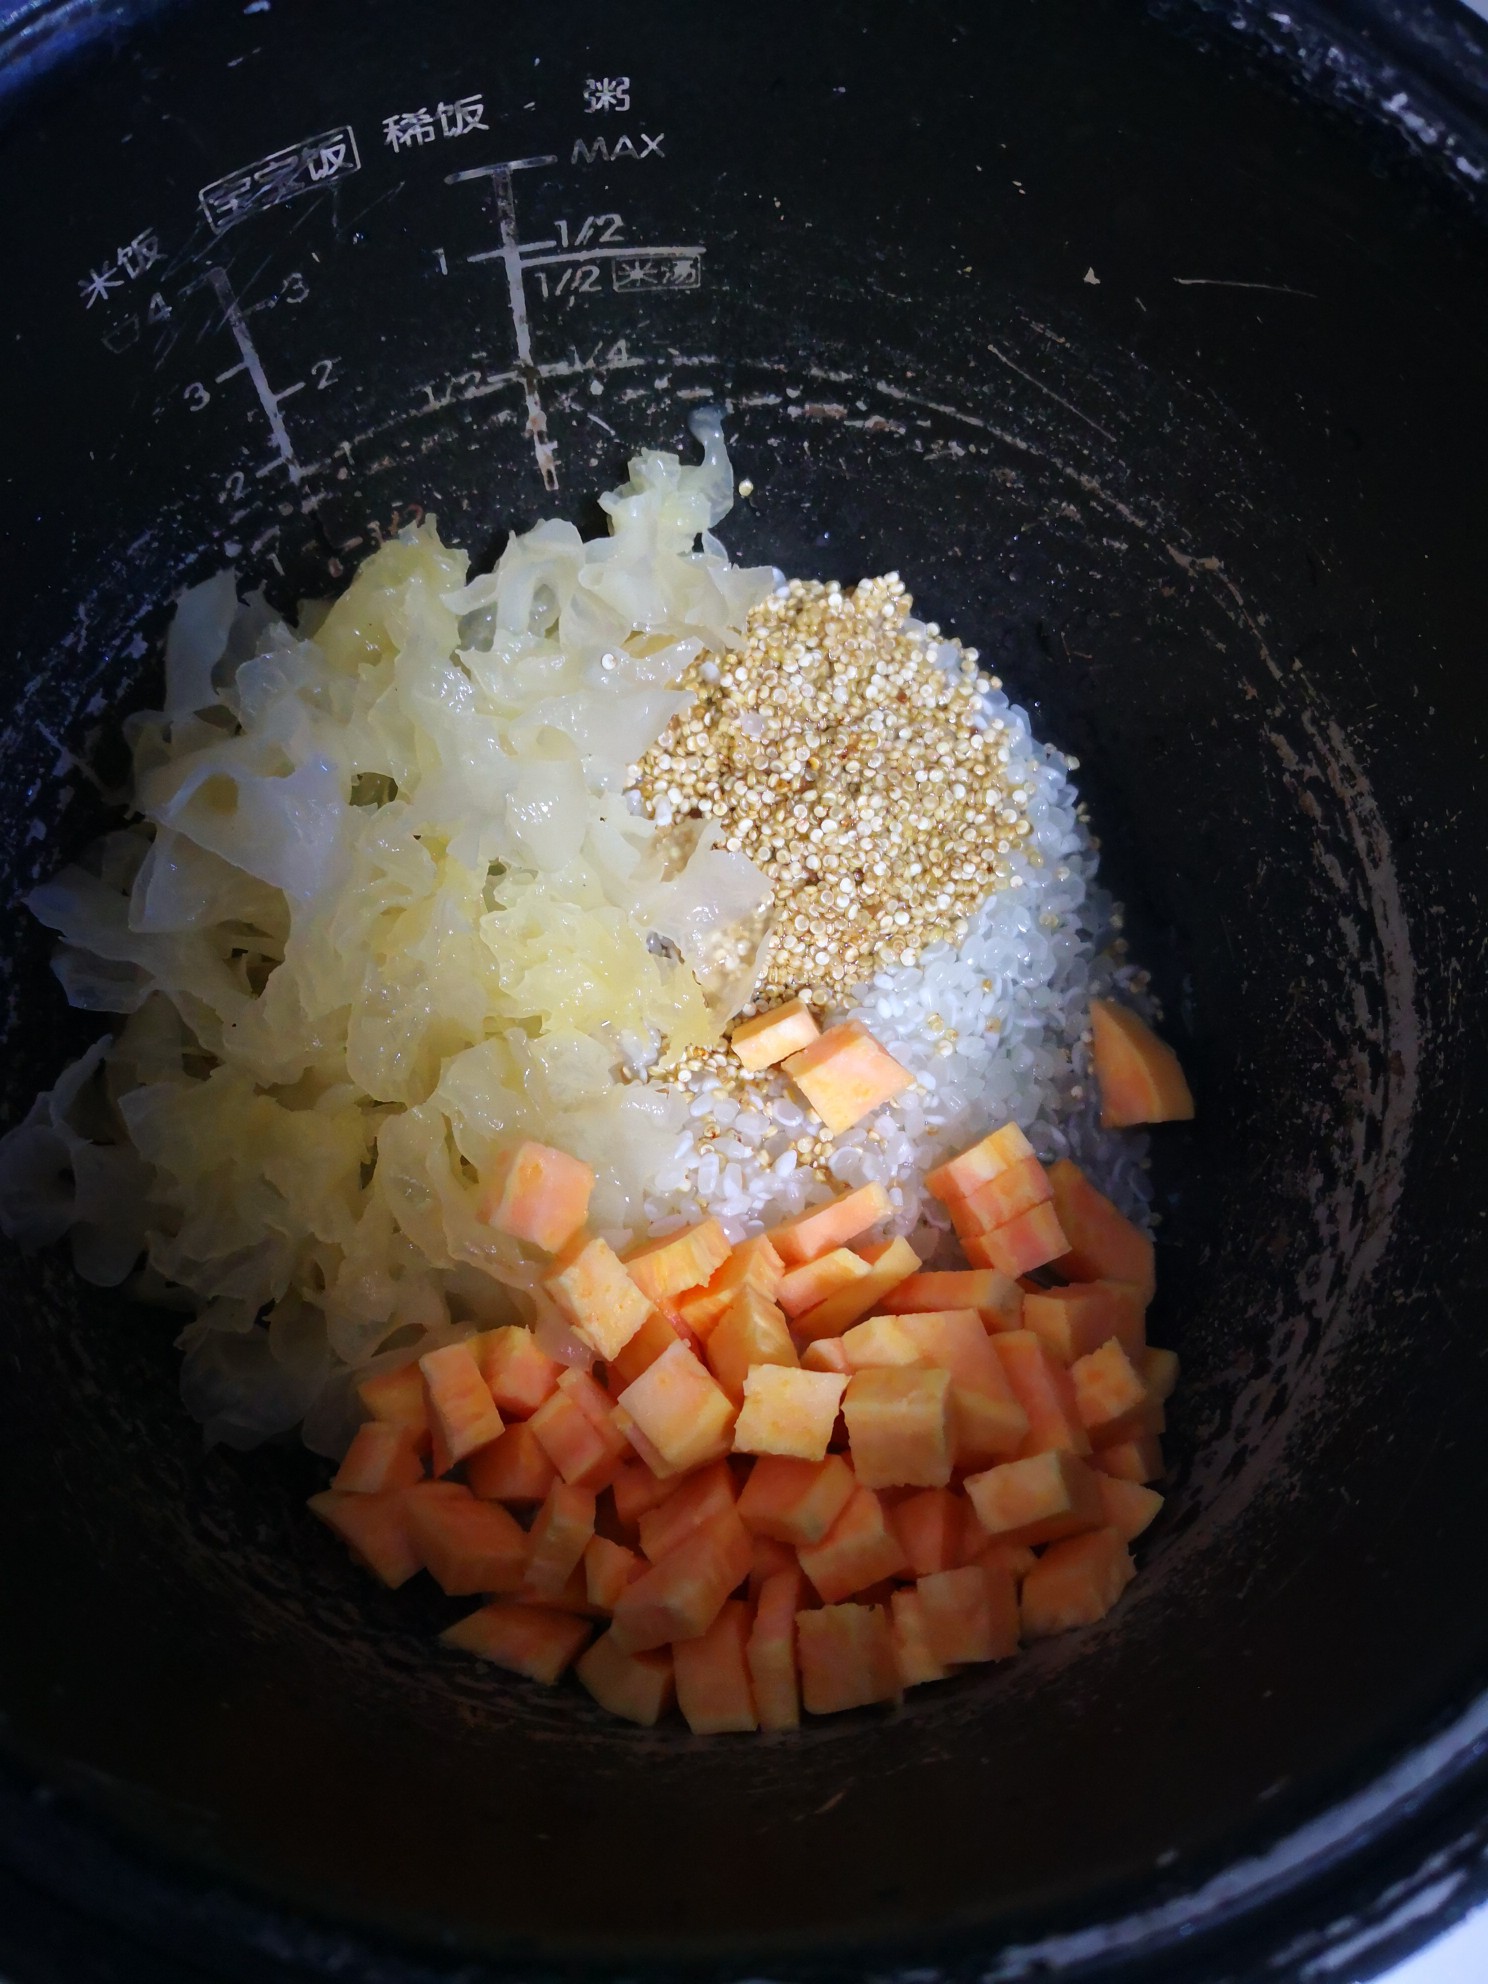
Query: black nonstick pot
1150, 348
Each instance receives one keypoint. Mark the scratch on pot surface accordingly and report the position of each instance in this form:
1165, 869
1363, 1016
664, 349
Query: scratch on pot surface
1049, 393
1224, 282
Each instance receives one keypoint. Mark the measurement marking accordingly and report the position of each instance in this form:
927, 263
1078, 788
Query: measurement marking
252, 364
628, 253
499, 182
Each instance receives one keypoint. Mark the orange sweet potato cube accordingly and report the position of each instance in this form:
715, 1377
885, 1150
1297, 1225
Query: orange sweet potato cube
845, 1075
680, 1597
753, 1264
827, 1354
655, 1335
599, 1300
577, 1431
1072, 1321
519, 1374
636, 1489
375, 1530
888, 1265
1103, 1244
771, 1649
667, 1264
899, 1427
960, 1176
525, 1639
462, 1412
996, 1298
752, 1332
683, 1415
608, 1569
558, 1538
1159, 1373
970, 1614
512, 1469
635, 1686
1144, 1422
796, 1501
1044, 1389
1017, 1559
1030, 1241
770, 1036
1011, 1193
466, 1545
1139, 1460
1108, 1388
857, 1551
928, 1526
811, 1234
846, 1655
537, 1194
987, 1418
1075, 1583
1138, 1075
913, 1654
1128, 1506
769, 1558
788, 1412
801, 1288
396, 1397
572, 1597
382, 1455
713, 1686
697, 1500
879, 1343
1037, 1500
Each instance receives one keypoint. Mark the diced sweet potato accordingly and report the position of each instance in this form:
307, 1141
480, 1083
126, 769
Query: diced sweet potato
1103, 1245
375, 1530
1073, 1321
1010, 1194
656, 1335
608, 1568
811, 1234
1128, 1506
514, 1468
1160, 1373
537, 1194
857, 1551
796, 1501
880, 1343
752, 1332
753, 1264
1108, 1387
769, 1558
928, 1526
1075, 1583
788, 1412
1017, 1559
697, 1500
771, 1649
1137, 1074
1030, 1241
770, 1036
899, 1427
913, 1655
525, 1639
970, 1614
682, 1413
599, 1299
1139, 1460
636, 1686
1044, 1389
951, 1340
669, 1263
960, 1177
466, 1545
396, 1396
845, 1075
1149, 1420
636, 1489
987, 1424
572, 1597
382, 1455
519, 1374
713, 1686
462, 1412
801, 1288
577, 1432
559, 1537
826, 1354
680, 1597
846, 1655
888, 1265
1038, 1500
996, 1297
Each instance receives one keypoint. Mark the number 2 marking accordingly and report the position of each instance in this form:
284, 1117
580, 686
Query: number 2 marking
324, 370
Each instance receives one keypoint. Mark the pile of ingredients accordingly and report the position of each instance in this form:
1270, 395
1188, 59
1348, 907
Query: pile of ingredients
626, 1053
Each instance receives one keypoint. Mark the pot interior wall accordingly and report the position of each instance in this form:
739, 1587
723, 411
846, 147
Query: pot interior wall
1155, 386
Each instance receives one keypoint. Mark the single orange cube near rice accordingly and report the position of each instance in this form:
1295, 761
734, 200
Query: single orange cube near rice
899, 1427
788, 1412
846, 1655
396, 1396
1075, 1583
518, 1372
683, 1415
666, 1265
796, 1501
802, 1287
771, 1649
608, 1569
1073, 1321
577, 1431
466, 1545
997, 1298
845, 1075
811, 1234
1103, 1244
769, 1037
858, 1550
558, 1538
638, 1687
680, 1597
525, 1639
1038, 1500
752, 1332
1011, 1193
537, 1194
698, 1499
888, 1264
374, 1529
1138, 1075
382, 1455
1030, 1241
512, 1469
597, 1297
913, 1654
462, 1412
1044, 1389
712, 1673
960, 1176
970, 1614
